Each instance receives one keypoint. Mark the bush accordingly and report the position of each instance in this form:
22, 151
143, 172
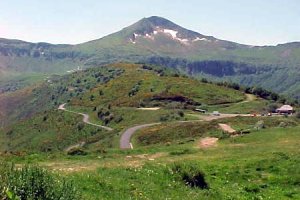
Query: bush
181, 113
76, 151
190, 174
259, 125
32, 182
181, 152
118, 119
80, 126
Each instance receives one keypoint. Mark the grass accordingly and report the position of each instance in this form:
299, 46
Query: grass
52, 131
263, 164
260, 165
166, 162
50, 93
34, 183
255, 106
149, 85
180, 133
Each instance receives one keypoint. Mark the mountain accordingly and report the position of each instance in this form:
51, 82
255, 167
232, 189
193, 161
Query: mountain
156, 40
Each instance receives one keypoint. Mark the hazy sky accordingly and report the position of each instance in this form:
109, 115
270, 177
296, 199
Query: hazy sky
257, 22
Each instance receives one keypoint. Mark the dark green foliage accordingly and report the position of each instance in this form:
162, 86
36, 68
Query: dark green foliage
92, 97
190, 174
118, 119
181, 152
76, 151
106, 115
34, 183
135, 89
272, 108
172, 116
80, 126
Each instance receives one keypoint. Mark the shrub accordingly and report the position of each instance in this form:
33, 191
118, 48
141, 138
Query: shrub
76, 151
190, 174
164, 118
181, 113
181, 152
259, 125
80, 126
118, 119
32, 182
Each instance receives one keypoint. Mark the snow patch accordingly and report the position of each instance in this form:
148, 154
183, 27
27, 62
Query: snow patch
168, 32
201, 39
171, 32
136, 35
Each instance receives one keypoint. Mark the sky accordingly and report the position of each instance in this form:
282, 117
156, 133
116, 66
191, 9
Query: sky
253, 22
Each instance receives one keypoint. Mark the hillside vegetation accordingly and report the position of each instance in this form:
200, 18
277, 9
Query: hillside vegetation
149, 40
49, 93
113, 96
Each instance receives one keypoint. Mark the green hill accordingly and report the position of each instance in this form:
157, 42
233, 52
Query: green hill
118, 95
169, 159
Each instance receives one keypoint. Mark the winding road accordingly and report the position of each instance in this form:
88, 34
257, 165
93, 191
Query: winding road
86, 117
126, 135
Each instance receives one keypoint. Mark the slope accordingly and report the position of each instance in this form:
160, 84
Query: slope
115, 101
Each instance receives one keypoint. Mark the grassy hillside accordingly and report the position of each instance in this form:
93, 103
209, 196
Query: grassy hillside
263, 164
140, 87
180, 133
113, 96
168, 160
49, 93
51, 131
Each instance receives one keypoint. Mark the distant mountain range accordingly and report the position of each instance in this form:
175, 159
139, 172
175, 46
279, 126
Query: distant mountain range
159, 41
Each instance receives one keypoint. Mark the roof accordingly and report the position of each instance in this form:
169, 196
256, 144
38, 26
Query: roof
285, 107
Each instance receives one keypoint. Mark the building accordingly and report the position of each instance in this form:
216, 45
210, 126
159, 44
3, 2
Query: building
285, 109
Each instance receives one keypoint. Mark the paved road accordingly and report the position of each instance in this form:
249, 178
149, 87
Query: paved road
126, 136
86, 117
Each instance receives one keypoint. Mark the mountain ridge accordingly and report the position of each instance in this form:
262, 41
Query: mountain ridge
153, 38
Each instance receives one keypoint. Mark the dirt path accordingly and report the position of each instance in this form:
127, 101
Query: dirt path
249, 98
208, 142
227, 128
86, 117
154, 108
210, 117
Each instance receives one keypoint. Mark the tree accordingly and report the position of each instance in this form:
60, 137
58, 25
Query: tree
92, 97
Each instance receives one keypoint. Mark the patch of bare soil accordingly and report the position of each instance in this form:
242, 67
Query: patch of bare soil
226, 128
208, 142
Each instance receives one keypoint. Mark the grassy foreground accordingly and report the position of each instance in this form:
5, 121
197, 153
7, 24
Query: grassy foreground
260, 165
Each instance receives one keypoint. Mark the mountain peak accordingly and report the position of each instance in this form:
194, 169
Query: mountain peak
149, 28
158, 21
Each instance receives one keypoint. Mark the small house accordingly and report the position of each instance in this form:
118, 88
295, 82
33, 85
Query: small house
285, 109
